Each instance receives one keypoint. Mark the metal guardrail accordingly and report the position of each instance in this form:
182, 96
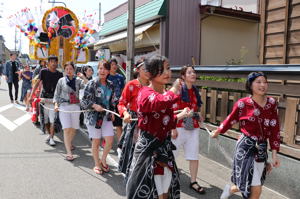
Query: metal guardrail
280, 68
281, 71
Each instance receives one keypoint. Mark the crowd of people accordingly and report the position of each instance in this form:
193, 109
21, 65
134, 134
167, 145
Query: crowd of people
154, 123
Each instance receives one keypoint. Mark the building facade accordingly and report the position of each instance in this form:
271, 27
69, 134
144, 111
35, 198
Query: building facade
228, 36
187, 32
4, 52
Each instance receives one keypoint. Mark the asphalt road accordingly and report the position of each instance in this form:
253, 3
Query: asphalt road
31, 169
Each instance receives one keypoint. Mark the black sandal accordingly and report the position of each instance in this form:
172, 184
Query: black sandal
199, 190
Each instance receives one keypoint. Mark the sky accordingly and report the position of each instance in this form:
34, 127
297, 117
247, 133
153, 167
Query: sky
10, 7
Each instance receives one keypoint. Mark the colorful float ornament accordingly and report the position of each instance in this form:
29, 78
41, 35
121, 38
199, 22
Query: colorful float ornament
61, 24
88, 26
38, 51
80, 55
60, 21
25, 22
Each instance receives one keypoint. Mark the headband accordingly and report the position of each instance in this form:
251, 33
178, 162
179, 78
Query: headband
138, 66
253, 76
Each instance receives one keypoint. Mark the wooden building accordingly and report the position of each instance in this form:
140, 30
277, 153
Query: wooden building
280, 32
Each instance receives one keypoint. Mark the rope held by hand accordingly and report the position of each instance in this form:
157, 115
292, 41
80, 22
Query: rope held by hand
227, 157
82, 111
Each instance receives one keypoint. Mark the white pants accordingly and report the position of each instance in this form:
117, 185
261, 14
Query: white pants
105, 130
163, 182
49, 114
69, 120
258, 168
189, 140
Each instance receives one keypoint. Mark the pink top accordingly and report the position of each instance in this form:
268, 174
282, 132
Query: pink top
259, 123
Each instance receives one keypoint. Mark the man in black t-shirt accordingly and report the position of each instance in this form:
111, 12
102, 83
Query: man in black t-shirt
49, 78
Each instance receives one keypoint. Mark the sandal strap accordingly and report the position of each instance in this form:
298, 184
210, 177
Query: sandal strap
193, 183
199, 189
104, 167
97, 169
70, 157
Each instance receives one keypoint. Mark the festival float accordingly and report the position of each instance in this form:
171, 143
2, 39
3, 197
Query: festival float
56, 31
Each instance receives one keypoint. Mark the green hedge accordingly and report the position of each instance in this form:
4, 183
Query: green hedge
223, 79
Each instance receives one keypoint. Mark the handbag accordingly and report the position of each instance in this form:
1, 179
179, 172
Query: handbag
73, 98
188, 123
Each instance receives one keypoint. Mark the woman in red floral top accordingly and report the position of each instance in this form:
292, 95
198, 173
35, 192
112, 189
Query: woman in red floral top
258, 119
187, 130
128, 109
153, 172
128, 100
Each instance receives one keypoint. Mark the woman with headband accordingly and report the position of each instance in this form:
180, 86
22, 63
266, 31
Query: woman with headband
258, 119
128, 109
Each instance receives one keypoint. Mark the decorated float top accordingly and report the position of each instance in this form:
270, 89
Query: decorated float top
56, 32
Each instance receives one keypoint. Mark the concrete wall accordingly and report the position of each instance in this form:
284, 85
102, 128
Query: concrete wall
223, 38
184, 31
285, 179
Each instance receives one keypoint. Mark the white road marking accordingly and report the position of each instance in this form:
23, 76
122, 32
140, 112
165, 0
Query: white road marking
4, 108
7, 123
16, 123
22, 108
22, 119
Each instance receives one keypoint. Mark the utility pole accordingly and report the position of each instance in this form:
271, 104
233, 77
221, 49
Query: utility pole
15, 39
130, 39
99, 13
20, 42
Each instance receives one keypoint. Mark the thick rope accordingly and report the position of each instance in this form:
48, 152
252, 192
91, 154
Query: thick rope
106, 110
227, 157
82, 111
